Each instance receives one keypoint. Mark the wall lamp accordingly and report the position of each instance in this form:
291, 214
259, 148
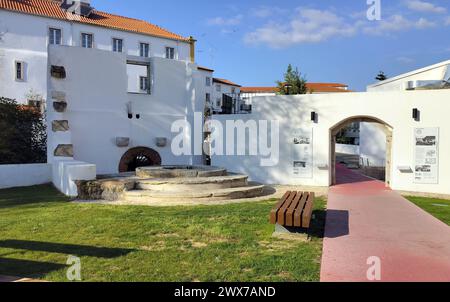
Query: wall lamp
416, 114
314, 116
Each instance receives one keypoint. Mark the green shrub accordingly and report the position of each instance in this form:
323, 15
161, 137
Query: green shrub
23, 134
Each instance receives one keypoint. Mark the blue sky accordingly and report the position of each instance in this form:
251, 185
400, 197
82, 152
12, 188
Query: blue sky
251, 42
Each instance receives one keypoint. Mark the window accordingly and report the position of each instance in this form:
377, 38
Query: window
54, 36
170, 53
20, 71
219, 102
144, 50
117, 45
208, 98
218, 88
87, 40
143, 83
208, 81
233, 90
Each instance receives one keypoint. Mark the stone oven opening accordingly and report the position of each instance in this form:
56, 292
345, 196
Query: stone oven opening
139, 157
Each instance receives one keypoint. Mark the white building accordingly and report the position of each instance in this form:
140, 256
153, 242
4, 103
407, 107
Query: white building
27, 28
436, 74
113, 87
226, 97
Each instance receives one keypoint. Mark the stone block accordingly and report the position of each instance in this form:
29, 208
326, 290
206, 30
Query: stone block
122, 141
59, 95
60, 106
62, 126
58, 72
64, 151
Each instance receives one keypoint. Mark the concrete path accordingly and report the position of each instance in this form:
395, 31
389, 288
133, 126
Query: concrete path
365, 219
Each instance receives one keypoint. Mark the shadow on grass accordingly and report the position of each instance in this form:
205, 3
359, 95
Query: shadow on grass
27, 268
30, 195
317, 228
69, 249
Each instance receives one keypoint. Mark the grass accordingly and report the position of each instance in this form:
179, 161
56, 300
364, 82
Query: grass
39, 229
439, 208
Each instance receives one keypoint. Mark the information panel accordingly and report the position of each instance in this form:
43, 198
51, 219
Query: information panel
302, 159
426, 155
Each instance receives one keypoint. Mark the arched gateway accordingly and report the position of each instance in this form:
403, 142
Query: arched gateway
387, 129
139, 157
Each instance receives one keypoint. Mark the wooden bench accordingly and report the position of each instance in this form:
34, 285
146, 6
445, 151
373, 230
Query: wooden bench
293, 210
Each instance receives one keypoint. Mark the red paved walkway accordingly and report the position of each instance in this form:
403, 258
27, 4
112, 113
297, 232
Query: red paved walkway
367, 219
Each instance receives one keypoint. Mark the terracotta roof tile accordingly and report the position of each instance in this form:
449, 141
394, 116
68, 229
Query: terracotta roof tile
52, 9
226, 82
315, 87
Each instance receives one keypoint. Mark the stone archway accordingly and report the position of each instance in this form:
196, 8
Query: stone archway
387, 129
139, 157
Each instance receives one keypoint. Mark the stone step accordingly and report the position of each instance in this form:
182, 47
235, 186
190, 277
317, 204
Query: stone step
192, 183
180, 172
250, 191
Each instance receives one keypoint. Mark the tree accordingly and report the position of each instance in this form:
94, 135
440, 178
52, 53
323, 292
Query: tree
381, 76
294, 83
23, 135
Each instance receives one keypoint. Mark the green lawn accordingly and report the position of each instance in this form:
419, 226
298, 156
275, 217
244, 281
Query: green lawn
39, 229
439, 208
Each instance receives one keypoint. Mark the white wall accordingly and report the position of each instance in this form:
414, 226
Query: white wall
29, 43
24, 175
97, 114
372, 142
348, 149
66, 172
294, 112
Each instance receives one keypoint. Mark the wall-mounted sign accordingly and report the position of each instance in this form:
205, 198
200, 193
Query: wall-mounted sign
426, 156
302, 159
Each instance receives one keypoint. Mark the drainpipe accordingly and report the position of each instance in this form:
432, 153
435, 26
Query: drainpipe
192, 45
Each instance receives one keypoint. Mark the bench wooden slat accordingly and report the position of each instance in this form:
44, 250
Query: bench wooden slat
282, 212
307, 212
299, 211
274, 212
290, 211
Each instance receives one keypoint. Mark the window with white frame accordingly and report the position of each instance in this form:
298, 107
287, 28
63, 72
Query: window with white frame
144, 50
20, 70
218, 102
208, 81
208, 98
117, 45
143, 83
54, 36
170, 53
218, 88
233, 90
87, 40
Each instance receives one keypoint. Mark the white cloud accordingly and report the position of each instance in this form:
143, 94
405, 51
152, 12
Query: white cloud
307, 26
447, 21
267, 11
397, 23
221, 21
423, 23
405, 60
425, 7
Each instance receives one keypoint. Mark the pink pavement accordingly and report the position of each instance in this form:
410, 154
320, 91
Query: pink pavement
365, 219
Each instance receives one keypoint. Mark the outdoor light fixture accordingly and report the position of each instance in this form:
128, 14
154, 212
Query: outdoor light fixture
138, 116
416, 114
313, 116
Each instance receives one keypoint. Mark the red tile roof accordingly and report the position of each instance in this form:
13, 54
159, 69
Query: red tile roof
226, 82
314, 87
52, 9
